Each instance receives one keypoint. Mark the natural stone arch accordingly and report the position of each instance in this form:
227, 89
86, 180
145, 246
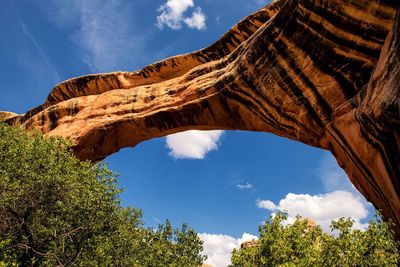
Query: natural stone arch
325, 73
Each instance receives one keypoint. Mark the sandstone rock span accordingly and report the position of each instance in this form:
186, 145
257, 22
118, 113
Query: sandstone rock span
325, 73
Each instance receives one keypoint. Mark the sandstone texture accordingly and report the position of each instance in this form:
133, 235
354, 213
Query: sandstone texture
325, 73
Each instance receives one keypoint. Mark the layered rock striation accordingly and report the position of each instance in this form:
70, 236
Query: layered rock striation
325, 73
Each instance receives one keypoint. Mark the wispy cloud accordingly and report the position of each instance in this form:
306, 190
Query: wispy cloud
218, 20
218, 248
172, 15
246, 186
193, 144
332, 176
103, 30
51, 71
262, 2
322, 208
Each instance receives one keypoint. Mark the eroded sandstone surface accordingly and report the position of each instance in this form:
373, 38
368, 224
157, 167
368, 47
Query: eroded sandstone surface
325, 73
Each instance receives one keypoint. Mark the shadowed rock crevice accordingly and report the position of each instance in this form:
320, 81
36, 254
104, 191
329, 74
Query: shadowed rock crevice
325, 73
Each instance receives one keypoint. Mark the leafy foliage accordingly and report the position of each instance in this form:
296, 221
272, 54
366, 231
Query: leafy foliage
57, 210
302, 244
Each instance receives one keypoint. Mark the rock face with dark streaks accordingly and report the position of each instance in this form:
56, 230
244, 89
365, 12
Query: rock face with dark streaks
325, 73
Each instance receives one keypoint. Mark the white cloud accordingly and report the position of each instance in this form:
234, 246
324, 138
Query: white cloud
172, 15
218, 248
267, 204
193, 144
197, 20
247, 186
101, 29
322, 208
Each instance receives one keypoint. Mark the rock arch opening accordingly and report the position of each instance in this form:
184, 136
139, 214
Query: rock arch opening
223, 191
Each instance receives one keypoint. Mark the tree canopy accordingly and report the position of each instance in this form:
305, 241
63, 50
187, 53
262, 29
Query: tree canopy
305, 244
58, 211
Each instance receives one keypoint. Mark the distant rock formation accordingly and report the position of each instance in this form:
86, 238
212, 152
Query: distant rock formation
7, 115
311, 223
249, 244
325, 73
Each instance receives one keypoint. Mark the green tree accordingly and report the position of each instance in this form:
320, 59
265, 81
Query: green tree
302, 244
57, 210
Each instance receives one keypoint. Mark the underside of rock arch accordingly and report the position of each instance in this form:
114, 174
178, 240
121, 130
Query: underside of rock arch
325, 73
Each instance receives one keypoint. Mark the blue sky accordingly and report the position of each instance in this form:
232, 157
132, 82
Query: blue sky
224, 184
